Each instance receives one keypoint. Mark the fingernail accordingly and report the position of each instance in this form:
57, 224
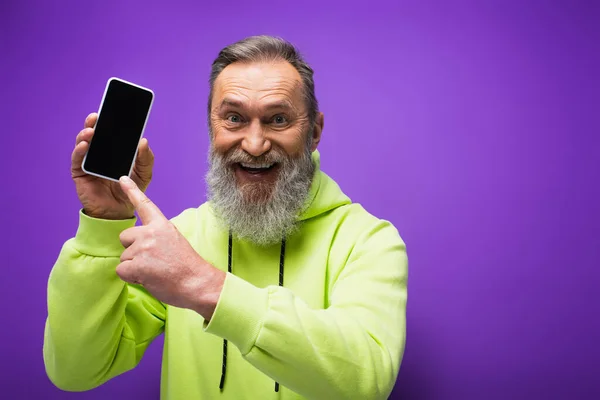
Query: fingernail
125, 179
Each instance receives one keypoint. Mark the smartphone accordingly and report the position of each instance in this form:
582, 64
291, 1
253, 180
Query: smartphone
122, 117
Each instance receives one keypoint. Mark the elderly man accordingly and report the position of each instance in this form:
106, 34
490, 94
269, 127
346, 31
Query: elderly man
277, 287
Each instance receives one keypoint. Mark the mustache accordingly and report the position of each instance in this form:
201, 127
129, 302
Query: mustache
240, 156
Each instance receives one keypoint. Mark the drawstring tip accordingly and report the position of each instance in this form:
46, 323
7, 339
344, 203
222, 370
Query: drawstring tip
224, 366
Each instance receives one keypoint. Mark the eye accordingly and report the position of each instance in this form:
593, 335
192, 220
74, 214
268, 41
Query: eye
279, 120
234, 118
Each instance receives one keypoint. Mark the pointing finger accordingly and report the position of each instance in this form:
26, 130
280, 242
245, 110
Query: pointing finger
146, 209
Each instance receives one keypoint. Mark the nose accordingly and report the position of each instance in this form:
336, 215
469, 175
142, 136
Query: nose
255, 142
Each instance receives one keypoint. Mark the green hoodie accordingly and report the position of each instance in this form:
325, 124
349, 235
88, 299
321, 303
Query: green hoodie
334, 330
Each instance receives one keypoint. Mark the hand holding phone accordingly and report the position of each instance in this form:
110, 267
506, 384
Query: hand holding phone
110, 146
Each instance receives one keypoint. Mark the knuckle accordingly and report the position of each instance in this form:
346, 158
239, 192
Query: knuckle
162, 228
147, 244
83, 133
121, 270
146, 201
151, 231
171, 227
124, 237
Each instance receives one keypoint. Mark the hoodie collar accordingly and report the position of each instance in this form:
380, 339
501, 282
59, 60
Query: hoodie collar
324, 194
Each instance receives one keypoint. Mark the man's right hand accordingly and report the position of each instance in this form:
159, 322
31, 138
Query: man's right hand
102, 198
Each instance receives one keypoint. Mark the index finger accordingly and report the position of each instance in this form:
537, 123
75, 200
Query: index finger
147, 210
90, 120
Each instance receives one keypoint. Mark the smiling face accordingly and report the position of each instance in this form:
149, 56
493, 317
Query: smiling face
261, 143
259, 119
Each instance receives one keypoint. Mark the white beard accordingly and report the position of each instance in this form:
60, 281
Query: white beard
261, 213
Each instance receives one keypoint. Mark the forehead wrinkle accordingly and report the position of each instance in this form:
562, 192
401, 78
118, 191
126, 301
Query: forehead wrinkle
265, 79
281, 99
235, 94
253, 88
274, 85
260, 100
287, 92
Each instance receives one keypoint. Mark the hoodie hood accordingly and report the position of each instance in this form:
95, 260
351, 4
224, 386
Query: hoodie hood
325, 195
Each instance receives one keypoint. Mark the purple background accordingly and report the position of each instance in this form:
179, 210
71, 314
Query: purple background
473, 127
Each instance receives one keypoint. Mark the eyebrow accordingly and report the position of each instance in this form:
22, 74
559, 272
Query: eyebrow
280, 104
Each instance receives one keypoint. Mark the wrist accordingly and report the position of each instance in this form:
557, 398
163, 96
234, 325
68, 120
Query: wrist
207, 290
108, 216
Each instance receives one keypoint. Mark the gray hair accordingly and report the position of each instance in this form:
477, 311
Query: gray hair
265, 49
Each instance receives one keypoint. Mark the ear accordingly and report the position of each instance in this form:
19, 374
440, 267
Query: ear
317, 131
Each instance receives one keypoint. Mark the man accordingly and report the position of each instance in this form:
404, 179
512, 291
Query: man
277, 287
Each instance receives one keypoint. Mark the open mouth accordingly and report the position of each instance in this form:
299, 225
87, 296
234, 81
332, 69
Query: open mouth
256, 168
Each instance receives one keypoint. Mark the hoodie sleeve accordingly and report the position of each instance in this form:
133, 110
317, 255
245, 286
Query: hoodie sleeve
97, 326
350, 350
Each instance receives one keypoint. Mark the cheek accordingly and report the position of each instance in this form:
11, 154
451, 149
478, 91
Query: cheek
222, 141
293, 143
220, 145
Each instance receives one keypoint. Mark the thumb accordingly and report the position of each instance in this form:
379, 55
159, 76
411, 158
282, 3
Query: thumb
147, 210
145, 159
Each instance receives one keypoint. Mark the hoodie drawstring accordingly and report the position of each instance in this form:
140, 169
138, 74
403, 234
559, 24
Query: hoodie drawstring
229, 258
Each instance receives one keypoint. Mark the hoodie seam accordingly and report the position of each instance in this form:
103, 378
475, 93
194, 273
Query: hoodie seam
261, 325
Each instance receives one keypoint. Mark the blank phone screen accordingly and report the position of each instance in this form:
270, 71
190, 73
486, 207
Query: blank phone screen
118, 130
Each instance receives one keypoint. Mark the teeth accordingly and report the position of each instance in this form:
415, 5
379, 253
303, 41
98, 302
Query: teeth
256, 165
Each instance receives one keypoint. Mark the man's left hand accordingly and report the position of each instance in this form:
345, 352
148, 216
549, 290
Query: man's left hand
158, 257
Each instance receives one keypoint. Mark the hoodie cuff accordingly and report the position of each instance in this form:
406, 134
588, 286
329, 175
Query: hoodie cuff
100, 237
239, 314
